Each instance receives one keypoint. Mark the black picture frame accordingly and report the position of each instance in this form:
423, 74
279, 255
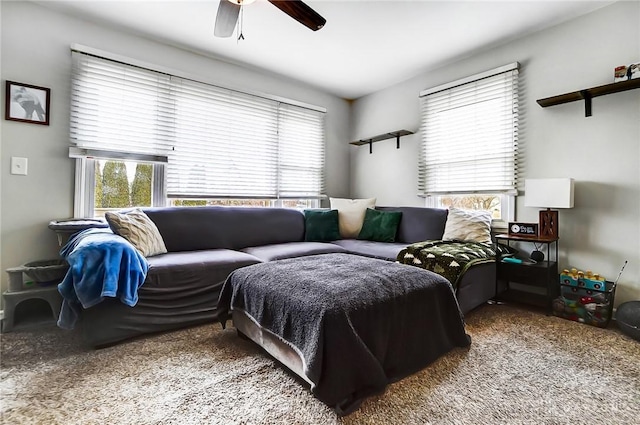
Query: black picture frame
27, 103
523, 229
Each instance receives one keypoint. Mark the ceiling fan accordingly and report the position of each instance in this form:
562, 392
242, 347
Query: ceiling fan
229, 10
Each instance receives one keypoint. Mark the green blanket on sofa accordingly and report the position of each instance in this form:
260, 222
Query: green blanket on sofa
449, 258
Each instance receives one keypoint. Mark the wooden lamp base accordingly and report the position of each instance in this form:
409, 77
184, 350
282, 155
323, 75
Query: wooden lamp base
549, 223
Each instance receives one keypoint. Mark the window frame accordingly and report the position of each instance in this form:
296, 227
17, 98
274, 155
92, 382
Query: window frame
85, 156
84, 199
508, 196
507, 206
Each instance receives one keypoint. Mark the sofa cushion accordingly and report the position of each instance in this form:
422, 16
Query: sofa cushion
380, 226
138, 229
381, 250
419, 224
292, 249
185, 272
321, 225
351, 214
197, 228
468, 225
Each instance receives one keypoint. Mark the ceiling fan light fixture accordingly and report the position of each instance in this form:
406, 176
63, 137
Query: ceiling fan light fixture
241, 2
228, 15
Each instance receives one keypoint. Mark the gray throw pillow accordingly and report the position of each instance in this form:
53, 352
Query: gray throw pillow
136, 227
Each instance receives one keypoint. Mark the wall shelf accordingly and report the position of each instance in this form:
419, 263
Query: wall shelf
392, 135
588, 94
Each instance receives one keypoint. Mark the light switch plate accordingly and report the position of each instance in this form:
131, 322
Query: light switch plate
18, 165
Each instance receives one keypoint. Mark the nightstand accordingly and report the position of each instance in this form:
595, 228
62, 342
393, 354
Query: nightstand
543, 274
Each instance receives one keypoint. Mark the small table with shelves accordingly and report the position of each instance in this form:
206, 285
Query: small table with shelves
28, 296
542, 274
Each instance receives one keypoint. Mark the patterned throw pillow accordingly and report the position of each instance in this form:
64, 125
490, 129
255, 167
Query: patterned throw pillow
351, 214
468, 225
136, 227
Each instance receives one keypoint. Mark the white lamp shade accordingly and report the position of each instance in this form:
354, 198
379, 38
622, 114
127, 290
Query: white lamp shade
548, 193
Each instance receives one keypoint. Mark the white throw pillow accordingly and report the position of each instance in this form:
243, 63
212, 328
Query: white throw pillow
136, 227
351, 214
468, 225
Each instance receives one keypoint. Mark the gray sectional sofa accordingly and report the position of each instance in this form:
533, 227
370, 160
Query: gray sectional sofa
205, 244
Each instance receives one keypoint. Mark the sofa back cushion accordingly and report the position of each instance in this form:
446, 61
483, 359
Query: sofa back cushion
196, 228
419, 224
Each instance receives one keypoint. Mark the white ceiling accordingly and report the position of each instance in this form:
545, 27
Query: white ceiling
365, 46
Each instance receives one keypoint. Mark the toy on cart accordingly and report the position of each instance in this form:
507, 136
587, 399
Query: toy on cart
585, 297
581, 279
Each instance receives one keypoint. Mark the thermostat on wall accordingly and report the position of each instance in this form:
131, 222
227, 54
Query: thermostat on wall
523, 229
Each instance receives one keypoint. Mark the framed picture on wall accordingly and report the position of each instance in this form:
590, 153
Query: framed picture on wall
27, 103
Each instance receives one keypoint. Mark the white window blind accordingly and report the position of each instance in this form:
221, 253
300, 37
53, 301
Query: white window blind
301, 152
235, 145
118, 107
220, 143
470, 136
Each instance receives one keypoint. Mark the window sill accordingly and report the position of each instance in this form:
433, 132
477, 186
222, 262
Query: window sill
499, 226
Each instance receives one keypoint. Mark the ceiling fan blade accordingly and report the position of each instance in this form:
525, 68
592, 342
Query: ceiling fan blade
226, 19
301, 13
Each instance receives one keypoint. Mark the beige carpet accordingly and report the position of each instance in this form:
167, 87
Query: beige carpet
522, 368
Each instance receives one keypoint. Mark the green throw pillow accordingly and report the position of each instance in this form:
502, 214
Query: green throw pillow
321, 225
380, 226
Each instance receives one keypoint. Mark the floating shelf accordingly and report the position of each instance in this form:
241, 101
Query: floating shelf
392, 135
588, 94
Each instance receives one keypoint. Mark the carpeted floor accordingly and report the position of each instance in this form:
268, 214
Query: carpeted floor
522, 368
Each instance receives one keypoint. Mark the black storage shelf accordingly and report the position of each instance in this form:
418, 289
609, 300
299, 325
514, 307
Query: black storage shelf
391, 135
517, 295
529, 274
542, 275
588, 94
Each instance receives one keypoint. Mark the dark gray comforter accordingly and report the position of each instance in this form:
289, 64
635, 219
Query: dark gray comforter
359, 323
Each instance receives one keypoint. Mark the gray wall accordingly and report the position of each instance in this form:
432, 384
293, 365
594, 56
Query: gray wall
601, 152
41, 56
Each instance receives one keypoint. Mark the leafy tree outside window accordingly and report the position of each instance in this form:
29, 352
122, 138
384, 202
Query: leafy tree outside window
99, 190
115, 185
141, 186
122, 184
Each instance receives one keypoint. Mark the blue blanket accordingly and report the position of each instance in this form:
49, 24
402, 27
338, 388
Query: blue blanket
101, 264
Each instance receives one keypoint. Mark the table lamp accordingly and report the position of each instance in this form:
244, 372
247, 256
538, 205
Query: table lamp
548, 193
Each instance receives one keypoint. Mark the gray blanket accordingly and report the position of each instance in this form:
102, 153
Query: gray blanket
360, 323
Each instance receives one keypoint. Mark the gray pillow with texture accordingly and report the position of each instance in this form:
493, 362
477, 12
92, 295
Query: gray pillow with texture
138, 229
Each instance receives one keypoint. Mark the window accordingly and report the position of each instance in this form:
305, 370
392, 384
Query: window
121, 184
469, 149
107, 184
234, 145
283, 203
203, 144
